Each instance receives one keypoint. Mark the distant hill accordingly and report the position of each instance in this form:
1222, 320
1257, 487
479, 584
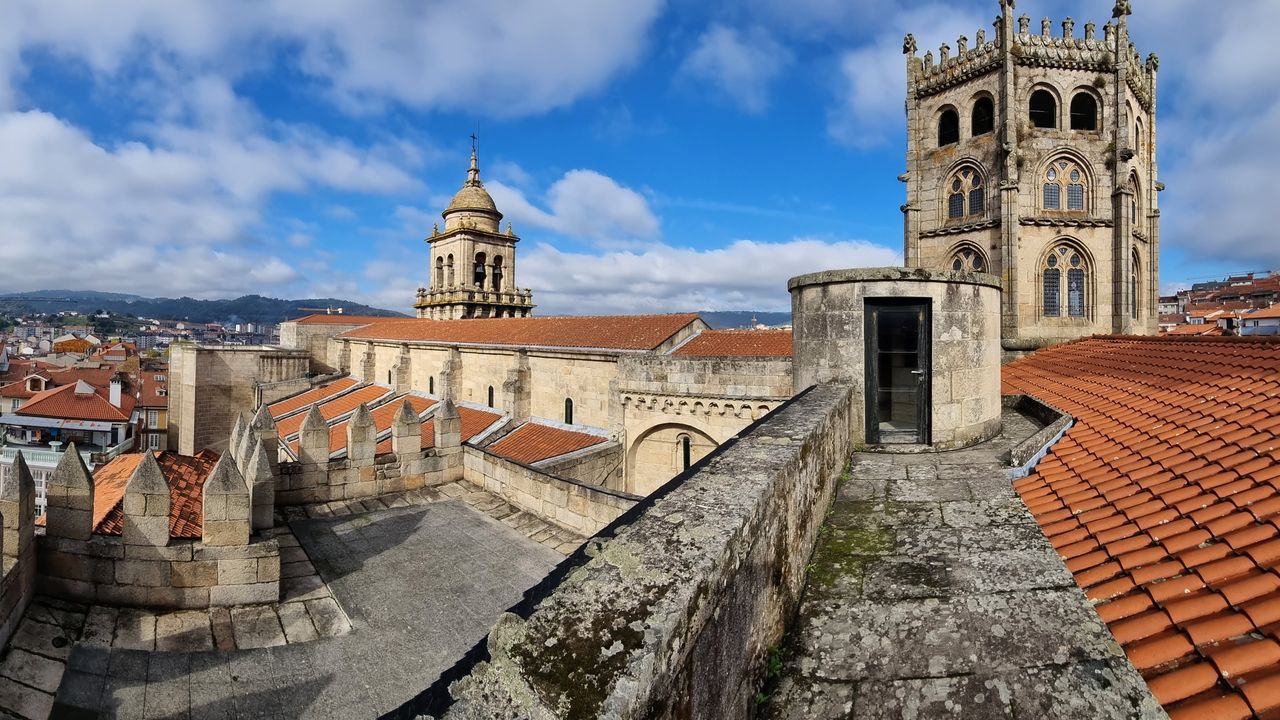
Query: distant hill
246, 309
734, 319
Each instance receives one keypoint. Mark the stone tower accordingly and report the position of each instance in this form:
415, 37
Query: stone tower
473, 264
1031, 156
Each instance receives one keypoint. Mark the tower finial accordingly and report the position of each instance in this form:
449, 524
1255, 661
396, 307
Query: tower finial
473, 174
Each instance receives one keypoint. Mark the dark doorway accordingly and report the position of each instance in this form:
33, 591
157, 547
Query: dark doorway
898, 367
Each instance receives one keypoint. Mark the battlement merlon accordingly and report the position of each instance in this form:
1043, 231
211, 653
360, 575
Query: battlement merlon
1064, 50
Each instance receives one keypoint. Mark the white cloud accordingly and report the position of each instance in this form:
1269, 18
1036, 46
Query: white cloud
741, 65
502, 57
661, 278
582, 204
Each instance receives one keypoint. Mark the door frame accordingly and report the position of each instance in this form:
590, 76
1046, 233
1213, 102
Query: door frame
924, 348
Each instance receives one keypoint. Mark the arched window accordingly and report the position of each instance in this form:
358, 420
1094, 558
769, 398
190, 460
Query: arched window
984, 116
448, 266
1044, 109
568, 411
686, 451
431, 385
948, 128
439, 272
1137, 134
1064, 177
497, 272
1063, 273
479, 273
1084, 112
965, 194
388, 377
968, 258
1133, 199
1135, 286
491, 397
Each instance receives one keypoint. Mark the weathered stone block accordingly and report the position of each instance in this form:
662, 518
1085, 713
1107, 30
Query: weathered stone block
257, 593
150, 573
203, 573
237, 572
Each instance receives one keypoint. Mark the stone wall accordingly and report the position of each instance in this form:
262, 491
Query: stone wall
827, 309
314, 339
576, 506
209, 387
17, 546
600, 465
672, 611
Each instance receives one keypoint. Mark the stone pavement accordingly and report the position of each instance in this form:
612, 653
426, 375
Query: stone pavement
933, 593
421, 584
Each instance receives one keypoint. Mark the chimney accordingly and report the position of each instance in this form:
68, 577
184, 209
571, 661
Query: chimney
115, 392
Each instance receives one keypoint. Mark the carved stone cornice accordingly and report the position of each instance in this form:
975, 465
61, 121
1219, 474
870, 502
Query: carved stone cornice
1065, 222
959, 229
696, 405
967, 65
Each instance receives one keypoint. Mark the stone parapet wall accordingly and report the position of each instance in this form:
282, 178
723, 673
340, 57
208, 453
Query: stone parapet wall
302, 483
600, 465
674, 615
576, 506
17, 546
183, 574
730, 377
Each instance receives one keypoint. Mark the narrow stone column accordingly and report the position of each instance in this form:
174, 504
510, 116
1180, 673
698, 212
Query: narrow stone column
262, 488
516, 390
146, 505
448, 440
18, 507
313, 440
362, 436
406, 431
69, 496
226, 506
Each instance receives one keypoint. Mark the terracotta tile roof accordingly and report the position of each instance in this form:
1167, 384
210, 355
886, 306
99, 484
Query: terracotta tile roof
1202, 329
323, 319
186, 475
533, 442
1163, 501
738, 343
615, 332
334, 408
65, 403
1271, 312
474, 422
314, 395
383, 415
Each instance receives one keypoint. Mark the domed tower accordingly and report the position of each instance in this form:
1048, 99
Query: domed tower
473, 263
1032, 156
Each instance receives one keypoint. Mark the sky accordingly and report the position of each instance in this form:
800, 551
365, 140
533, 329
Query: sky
653, 155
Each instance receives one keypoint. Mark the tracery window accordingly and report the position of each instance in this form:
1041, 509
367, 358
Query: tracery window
965, 194
968, 259
1064, 273
1064, 177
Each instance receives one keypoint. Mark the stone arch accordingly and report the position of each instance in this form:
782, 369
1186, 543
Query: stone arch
1044, 106
1052, 258
655, 454
1076, 160
948, 124
964, 191
982, 114
1136, 294
1085, 111
969, 255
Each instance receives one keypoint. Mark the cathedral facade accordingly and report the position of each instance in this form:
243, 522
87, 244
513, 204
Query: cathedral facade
1031, 156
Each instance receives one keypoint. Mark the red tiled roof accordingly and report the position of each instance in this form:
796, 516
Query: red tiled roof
1201, 329
1163, 501
309, 397
738, 343
383, 415
1271, 312
474, 422
333, 408
186, 475
613, 332
533, 442
322, 319
63, 402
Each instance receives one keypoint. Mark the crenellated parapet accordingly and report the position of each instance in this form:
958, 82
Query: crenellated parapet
929, 77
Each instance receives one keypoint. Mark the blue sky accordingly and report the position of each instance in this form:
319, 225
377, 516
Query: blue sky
654, 156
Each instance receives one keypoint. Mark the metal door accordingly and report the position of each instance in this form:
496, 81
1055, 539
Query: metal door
898, 366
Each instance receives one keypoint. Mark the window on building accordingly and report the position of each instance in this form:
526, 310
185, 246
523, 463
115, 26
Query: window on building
1084, 112
965, 194
448, 269
1135, 296
439, 272
968, 258
1064, 176
431, 385
568, 411
153, 441
1064, 262
388, 377
491, 397
1044, 109
497, 272
478, 273
153, 418
948, 128
686, 451
984, 116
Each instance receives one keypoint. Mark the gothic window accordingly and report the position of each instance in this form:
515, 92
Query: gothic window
968, 259
1084, 112
948, 128
1135, 297
686, 451
439, 272
1061, 177
1137, 134
479, 272
1044, 109
965, 194
984, 116
497, 272
568, 411
1064, 262
1133, 200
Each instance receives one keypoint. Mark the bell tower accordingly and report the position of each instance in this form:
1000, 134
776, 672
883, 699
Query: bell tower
1032, 156
473, 264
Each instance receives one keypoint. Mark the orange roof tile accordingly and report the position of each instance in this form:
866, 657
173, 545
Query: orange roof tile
738, 343
333, 408
67, 404
323, 319
1271, 312
614, 332
533, 442
283, 407
383, 415
1163, 499
474, 422
186, 475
